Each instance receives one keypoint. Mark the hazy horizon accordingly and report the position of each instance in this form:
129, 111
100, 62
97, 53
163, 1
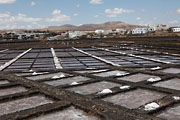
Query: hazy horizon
32, 14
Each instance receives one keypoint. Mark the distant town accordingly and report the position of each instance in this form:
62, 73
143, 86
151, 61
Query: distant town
50, 35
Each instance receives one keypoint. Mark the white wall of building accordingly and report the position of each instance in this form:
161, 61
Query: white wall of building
99, 31
176, 29
140, 31
106, 32
120, 30
76, 34
143, 30
103, 32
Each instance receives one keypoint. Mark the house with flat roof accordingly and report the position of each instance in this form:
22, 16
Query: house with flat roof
175, 29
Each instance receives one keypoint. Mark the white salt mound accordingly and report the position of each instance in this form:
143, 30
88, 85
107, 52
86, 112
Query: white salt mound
151, 106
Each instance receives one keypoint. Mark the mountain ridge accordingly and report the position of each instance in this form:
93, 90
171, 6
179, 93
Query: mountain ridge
88, 27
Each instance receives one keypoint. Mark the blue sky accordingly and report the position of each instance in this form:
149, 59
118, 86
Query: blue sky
42, 13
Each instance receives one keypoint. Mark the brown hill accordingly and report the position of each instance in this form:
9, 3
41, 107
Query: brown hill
63, 27
107, 25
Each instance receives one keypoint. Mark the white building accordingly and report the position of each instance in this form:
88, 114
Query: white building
106, 32
64, 34
99, 31
139, 30
120, 31
103, 32
175, 29
152, 29
75, 34
143, 30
